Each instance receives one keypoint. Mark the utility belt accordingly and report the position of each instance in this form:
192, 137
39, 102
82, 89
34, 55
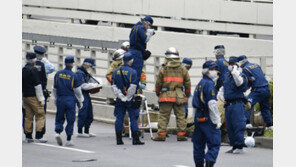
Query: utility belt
136, 47
234, 101
202, 118
145, 53
167, 89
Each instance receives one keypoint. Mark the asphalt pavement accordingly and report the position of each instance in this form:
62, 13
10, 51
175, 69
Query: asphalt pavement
102, 151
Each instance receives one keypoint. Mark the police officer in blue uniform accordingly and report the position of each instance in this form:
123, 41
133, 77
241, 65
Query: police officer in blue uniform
260, 90
66, 92
124, 85
187, 62
207, 118
138, 38
232, 93
222, 64
85, 114
44, 67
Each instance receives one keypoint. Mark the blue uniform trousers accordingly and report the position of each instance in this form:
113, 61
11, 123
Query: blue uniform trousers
138, 62
119, 113
65, 107
261, 96
85, 115
235, 122
205, 133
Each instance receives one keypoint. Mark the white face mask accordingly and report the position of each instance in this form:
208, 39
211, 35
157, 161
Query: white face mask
89, 70
230, 68
213, 74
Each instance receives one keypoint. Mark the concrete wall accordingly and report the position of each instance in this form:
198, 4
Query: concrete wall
189, 45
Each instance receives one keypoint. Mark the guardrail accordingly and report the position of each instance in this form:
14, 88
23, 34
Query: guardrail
196, 16
103, 57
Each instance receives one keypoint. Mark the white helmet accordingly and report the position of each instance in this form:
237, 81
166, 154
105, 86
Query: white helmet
118, 54
172, 52
125, 45
250, 141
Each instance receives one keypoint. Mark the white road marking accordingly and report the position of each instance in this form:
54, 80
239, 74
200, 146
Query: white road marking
66, 148
180, 166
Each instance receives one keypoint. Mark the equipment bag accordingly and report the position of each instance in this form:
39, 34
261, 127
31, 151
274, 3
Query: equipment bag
137, 101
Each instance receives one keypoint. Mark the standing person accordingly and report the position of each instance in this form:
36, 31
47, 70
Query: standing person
221, 62
85, 114
187, 63
66, 92
33, 100
207, 118
124, 84
232, 93
138, 38
260, 90
171, 79
125, 46
44, 68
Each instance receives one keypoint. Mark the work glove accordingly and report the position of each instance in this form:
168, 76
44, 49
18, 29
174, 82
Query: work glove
218, 126
142, 86
80, 105
150, 31
122, 97
42, 103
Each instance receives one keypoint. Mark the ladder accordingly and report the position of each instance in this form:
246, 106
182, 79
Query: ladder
143, 111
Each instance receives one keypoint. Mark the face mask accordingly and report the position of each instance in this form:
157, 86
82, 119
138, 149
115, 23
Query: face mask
89, 70
230, 67
213, 74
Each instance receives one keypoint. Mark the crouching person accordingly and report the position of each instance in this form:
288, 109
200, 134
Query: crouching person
124, 85
207, 118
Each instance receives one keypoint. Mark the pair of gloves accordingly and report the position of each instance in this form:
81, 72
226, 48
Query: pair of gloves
122, 97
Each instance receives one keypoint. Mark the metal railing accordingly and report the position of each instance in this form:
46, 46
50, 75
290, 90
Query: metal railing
103, 57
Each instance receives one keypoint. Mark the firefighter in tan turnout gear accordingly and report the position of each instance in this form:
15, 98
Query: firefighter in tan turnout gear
170, 81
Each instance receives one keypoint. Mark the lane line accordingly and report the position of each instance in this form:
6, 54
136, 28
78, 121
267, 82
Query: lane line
65, 148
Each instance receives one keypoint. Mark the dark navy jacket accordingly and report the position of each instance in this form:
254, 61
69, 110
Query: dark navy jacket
65, 81
203, 93
138, 37
129, 75
83, 78
255, 75
231, 91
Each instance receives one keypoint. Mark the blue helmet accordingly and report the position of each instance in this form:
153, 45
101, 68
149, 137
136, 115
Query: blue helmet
90, 61
232, 59
187, 61
219, 50
127, 57
69, 60
30, 56
39, 49
148, 19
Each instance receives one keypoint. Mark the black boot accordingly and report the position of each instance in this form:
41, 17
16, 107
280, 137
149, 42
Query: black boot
136, 140
210, 164
199, 165
119, 138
